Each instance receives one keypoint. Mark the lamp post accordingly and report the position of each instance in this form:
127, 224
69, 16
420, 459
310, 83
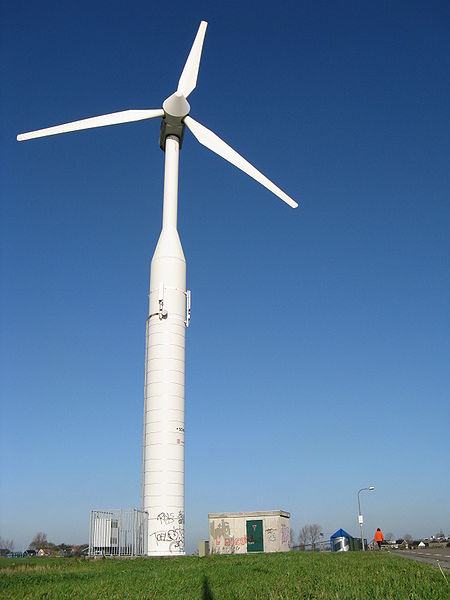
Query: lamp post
360, 517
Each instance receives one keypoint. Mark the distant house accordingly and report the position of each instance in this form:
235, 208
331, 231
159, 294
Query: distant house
43, 552
421, 544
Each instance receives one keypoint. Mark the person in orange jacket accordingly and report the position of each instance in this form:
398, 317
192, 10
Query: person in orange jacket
379, 537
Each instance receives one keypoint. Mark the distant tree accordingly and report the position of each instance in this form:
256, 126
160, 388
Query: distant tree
6, 544
64, 549
303, 536
408, 538
439, 535
39, 541
389, 536
309, 533
80, 550
291, 537
314, 534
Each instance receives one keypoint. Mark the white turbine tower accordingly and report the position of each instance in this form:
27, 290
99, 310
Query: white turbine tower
169, 309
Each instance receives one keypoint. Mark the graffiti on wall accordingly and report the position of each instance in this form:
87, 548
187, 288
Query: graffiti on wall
222, 539
166, 518
234, 541
174, 534
222, 530
285, 535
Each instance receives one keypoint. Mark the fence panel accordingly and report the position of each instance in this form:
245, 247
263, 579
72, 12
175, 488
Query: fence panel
119, 533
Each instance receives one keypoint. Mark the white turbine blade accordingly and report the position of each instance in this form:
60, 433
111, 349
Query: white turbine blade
188, 79
214, 143
124, 116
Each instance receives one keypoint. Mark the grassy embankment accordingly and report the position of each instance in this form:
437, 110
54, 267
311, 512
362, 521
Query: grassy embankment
294, 575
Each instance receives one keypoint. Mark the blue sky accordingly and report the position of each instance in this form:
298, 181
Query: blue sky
318, 346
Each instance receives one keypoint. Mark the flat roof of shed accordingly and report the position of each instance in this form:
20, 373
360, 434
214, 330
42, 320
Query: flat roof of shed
258, 513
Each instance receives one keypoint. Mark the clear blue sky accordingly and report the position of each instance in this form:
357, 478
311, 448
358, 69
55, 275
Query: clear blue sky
318, 348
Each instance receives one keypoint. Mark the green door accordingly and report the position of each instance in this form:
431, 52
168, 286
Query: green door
255, 536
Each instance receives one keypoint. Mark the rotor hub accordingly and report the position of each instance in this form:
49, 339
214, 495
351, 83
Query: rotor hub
176, 105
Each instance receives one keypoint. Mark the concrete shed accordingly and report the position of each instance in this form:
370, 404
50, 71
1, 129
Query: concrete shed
242, 532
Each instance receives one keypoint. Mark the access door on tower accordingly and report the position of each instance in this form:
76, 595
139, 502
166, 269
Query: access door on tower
255, 541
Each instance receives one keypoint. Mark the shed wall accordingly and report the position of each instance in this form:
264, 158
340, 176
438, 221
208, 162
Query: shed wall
228, 536
285, 527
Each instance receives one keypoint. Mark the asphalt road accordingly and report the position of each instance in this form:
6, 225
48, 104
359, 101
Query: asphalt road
427, 555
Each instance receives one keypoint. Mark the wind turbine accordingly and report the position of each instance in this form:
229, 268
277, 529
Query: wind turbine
169, 309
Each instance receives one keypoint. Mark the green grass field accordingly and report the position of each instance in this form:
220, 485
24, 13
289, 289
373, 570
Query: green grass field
260, 576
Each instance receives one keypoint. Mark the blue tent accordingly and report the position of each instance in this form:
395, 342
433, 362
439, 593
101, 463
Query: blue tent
338, 534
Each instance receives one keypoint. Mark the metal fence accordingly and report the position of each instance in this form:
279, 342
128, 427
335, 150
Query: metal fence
118, 533
320, 546
340, 544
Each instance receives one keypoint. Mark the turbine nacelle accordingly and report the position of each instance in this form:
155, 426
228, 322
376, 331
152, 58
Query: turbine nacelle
175, 108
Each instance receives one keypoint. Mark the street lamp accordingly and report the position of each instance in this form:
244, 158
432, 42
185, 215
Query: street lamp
360, 517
